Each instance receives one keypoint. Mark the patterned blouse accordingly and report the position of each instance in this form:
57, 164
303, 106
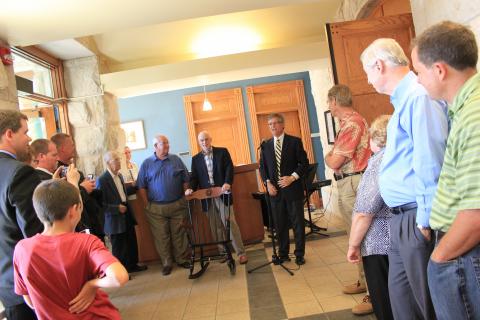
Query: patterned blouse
369, 201
352, 143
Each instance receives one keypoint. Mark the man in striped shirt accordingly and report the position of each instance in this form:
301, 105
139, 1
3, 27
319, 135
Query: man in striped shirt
445, 57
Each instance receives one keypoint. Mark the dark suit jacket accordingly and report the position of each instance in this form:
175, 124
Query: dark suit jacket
115, 222
17, 218
222, 171
43, 175
294, 159
92, 214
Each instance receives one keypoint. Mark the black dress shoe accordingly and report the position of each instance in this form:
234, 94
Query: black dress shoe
167, 270
300, 260
284, 258
185, 265
137, 268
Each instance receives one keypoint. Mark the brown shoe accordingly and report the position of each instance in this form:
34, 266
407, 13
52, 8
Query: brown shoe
166, 270
363, 308
243, 259
354, 288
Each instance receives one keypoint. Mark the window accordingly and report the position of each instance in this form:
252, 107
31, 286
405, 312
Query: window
41, 91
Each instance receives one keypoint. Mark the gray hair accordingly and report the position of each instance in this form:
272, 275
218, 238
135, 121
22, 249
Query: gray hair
378, 130
385, 49
277, 116
157, 138
109, 155
204, 133
342, 95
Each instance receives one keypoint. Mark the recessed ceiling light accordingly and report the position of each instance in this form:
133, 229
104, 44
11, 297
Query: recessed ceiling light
225, 40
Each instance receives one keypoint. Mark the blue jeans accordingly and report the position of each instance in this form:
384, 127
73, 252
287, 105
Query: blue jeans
455, 286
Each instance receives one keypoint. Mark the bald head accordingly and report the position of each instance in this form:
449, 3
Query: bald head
205, 141
161, 145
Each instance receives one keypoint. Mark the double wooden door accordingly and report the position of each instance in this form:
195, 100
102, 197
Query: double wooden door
225, 122
347, 40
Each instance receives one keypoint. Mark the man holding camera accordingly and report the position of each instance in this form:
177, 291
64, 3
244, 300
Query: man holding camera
92, 215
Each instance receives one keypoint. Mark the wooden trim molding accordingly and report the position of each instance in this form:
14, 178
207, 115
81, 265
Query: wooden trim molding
232, 110
296, 87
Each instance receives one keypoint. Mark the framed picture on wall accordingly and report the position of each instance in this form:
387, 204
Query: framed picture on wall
330, 124
134, 134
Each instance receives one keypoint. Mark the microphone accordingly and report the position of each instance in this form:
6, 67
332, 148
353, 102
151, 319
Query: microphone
264, 141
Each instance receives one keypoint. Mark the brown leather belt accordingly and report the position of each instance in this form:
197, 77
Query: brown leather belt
344, 175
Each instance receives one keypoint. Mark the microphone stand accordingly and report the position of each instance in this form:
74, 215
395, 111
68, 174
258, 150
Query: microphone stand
275, 258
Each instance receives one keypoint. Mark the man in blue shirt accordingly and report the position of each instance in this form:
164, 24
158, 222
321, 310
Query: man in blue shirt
416, 141
162, 181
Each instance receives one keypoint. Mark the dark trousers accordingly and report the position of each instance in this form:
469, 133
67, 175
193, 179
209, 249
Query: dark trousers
20, 312
124, 247
284, 211
407, 275
376, 274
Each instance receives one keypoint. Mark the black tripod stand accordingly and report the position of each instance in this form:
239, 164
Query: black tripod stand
273, 227
310, 187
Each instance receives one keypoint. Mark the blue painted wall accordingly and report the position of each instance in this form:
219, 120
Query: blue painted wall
163, 113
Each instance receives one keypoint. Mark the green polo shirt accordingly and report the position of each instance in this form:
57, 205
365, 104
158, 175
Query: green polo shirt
459, 183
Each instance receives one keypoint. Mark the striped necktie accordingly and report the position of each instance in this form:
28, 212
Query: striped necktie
278, 156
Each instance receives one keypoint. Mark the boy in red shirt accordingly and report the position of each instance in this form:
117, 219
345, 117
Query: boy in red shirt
58, 272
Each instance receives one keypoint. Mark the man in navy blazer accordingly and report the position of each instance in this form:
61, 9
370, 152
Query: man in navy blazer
119, 219
283, 164
17, 216
213, 167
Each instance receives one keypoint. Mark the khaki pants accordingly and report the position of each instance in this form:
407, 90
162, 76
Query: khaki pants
347, 193
166, 223
217, 216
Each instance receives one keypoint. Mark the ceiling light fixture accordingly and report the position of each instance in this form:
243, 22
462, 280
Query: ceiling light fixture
218, 41
207, 106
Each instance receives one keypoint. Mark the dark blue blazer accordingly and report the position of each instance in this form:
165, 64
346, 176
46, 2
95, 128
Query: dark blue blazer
17, 218
293, 159
115, 222
222, 171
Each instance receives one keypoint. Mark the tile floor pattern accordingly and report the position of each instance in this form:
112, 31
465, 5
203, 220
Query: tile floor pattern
314, 292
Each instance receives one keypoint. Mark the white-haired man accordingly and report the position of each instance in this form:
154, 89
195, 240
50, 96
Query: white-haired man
416, 140
119, 219
213, 166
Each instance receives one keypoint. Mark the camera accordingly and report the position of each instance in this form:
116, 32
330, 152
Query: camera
63, 172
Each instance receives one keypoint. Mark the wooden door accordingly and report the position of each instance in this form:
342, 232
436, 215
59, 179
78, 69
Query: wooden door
347, 40
287, 98
225, 122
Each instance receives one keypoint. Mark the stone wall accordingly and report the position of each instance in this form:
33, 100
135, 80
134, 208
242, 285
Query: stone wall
8, 87
428, 12
321, 79
93, 115
354, 9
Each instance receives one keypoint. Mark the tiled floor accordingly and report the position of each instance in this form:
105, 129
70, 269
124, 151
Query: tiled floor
314, 292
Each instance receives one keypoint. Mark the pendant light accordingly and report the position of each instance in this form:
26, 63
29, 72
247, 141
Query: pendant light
207, 106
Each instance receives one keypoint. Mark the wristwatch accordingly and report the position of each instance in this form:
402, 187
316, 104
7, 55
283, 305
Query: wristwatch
423, 228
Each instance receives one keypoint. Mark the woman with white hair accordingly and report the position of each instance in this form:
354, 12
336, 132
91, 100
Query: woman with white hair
369, 235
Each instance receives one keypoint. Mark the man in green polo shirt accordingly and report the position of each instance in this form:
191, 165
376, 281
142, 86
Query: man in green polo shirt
445, 57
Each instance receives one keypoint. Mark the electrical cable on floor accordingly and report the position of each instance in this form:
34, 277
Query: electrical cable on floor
323, 212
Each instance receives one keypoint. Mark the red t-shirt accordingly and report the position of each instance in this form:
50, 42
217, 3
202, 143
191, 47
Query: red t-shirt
53, 269
352, 142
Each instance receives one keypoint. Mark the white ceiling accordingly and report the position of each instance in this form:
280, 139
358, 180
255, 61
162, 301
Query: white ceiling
144, 35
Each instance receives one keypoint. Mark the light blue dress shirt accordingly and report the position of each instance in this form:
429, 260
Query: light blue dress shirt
416, 142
